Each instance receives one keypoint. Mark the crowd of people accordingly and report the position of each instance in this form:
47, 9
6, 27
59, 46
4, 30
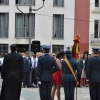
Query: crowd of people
83, 66
30, 64
47, 71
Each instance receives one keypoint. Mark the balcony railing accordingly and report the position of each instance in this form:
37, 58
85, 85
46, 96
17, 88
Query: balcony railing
95, 39
96, 9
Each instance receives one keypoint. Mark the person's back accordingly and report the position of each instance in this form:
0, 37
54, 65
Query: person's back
67, 77
12, 74
47, 62
67, 74
94, 72
93, 75
46, 66
12, 63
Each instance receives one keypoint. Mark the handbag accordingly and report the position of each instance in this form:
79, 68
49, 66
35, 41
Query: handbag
72, 71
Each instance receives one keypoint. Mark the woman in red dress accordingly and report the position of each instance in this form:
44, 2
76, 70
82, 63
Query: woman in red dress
57, 76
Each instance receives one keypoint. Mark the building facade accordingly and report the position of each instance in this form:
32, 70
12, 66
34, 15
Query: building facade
82, 23
52, 25
95, 24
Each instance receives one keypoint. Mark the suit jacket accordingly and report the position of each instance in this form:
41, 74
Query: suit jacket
86, 64
46, 66
67, 75
12, 65
93, 69
80, 64
27, 64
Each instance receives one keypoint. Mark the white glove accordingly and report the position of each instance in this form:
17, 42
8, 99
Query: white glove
39, 82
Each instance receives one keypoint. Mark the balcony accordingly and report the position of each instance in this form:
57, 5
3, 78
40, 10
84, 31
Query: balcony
95, 40
96, 9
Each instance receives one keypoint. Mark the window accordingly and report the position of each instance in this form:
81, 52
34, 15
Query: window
96, 3
97, 29
57, 48
59, 3
4, 1
58, 26
3, 49
22, 25
4, 25
24, 2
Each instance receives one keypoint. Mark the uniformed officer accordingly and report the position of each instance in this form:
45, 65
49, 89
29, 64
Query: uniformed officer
27, 69
45, 68
67, 77
93, 75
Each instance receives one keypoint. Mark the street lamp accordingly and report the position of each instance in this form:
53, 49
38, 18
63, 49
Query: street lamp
30, 21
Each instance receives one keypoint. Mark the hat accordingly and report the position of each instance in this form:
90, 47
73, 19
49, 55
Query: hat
13, 45
45, 47
95, 49
68, 52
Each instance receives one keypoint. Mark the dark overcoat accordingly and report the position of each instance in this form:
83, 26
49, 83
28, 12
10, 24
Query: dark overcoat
93, 75
12, 74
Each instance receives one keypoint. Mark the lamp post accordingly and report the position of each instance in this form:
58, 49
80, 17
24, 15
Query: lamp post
30, 21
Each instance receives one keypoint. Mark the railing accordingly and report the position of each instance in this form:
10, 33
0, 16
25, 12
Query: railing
95, 39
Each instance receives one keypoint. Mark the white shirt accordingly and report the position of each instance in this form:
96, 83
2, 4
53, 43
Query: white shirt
1, 61
33, 62
36, 62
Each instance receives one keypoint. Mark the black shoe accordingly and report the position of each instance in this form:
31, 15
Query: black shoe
28, 86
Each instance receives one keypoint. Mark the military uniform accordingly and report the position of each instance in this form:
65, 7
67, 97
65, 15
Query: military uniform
27, 69
45, 68
67, 77
93, 75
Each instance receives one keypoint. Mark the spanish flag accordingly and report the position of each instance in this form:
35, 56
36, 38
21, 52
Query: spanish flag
75, 48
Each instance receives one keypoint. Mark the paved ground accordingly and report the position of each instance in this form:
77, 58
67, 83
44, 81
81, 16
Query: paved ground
33, 93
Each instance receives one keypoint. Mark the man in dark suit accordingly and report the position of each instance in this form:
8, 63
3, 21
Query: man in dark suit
12, 74
80, 64
27, 69
45, 68
93, 75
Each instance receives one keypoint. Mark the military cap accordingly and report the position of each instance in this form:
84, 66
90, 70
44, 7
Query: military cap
95, 49
68, 52
45, 47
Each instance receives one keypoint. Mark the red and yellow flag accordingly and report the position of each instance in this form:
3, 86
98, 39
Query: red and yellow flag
75, 48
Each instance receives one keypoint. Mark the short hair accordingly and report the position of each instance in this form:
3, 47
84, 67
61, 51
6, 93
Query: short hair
46, 51
26, 52
13, 47
95, 52
60, 54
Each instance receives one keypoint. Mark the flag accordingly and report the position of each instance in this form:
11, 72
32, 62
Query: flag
75, 47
